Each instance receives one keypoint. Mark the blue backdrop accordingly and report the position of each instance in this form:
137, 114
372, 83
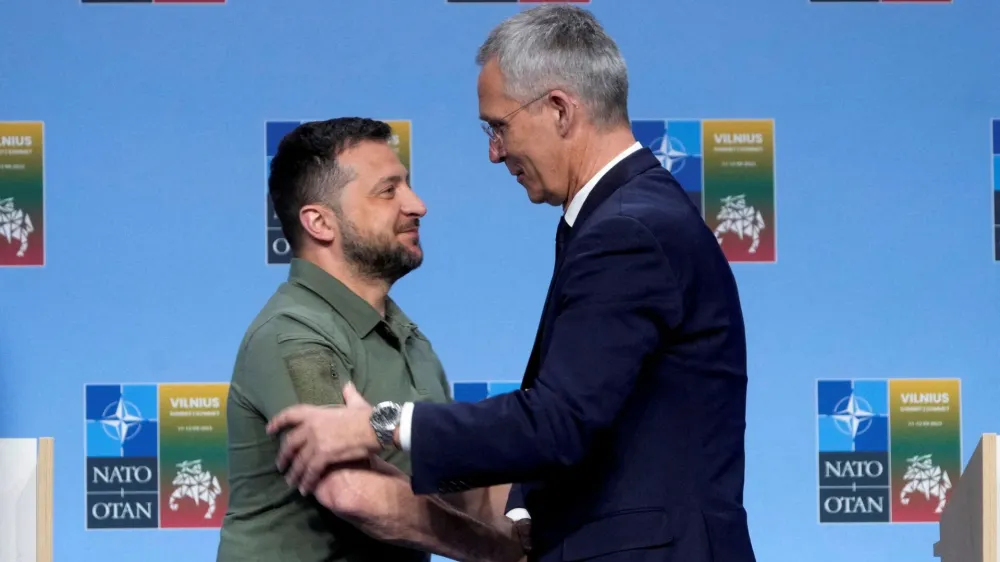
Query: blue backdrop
154, 208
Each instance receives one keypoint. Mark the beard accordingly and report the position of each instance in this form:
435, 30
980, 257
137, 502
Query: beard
381, 258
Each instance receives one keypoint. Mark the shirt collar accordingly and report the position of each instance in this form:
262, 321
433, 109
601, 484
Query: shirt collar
573, 209
356, 310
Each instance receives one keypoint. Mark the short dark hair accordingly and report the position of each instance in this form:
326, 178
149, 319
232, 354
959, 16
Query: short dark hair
304, 169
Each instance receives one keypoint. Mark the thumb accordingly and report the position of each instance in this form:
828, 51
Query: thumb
353, 398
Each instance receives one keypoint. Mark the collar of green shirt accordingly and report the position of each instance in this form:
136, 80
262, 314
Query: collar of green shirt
356, 310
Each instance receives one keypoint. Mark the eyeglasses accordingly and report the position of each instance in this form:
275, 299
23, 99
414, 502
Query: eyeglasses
494, 133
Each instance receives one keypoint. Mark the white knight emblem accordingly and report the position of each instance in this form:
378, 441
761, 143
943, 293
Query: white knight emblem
15, 225
196, 485
740, 219
925, 478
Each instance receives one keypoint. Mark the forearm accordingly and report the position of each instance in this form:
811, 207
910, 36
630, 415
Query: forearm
485, 504
430, 524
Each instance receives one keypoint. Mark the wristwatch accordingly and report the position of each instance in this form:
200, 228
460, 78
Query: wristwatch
385, 419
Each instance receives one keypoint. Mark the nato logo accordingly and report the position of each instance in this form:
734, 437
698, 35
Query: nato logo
676, 143
279, 251
476, 391
853, 438
122, 447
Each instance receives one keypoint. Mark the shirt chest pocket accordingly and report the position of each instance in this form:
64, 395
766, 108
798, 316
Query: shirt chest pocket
426, 369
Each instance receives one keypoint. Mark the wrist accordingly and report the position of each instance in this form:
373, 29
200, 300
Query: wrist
372, 443
369, 438
384, 422
510, 547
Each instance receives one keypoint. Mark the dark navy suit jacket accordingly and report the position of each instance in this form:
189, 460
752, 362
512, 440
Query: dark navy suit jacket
627, 436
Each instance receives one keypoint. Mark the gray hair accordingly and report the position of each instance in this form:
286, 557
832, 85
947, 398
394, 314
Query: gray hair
564, 47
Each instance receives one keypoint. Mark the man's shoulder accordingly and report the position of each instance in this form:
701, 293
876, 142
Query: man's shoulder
655, 204
658, 200
291, 316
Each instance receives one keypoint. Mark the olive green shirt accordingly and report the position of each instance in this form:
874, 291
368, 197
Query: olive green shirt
313, 336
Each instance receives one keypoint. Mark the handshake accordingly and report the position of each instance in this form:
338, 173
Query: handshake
332, 454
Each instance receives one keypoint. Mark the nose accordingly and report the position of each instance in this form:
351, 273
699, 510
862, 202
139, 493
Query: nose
496, 153
412, 205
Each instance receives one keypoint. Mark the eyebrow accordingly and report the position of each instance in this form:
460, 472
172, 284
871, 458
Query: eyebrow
392, 178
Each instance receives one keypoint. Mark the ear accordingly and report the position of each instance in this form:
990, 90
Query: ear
565, 111
318, 222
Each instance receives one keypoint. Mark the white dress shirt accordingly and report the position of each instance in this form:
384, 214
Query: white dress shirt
575, 204
572, 210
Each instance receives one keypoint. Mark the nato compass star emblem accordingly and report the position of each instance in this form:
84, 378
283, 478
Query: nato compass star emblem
853, 415
670, 152
122, 420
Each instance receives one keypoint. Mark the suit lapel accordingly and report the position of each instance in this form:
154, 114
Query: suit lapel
631, 166
534, 356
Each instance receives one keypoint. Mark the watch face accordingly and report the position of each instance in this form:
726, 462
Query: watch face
386, 413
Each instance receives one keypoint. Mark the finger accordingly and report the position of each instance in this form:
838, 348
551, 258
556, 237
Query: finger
320, 464
297, 467
314, 468
290, 446
291, 416
522, 529
353, 398
292, 443
301, 469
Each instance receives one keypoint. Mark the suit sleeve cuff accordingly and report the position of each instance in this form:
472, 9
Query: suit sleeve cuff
404, 426
517, 514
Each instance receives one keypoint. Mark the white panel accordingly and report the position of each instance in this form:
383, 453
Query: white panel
18, 461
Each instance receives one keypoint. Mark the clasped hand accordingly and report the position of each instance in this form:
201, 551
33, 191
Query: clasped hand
316, 437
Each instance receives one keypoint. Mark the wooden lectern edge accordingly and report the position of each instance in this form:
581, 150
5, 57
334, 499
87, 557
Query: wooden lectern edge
991, 483
45, 480
959, 529
988, 511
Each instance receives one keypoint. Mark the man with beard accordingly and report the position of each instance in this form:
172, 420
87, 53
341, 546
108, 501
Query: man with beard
348, 212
